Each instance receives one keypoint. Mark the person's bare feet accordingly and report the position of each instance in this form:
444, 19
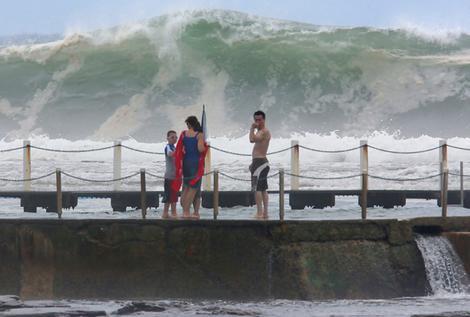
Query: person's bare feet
186, 215
265, 216
195, 215
165, 216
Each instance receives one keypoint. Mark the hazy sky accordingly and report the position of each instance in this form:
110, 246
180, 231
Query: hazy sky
58, 16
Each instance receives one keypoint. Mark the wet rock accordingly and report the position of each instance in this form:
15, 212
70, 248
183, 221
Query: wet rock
446, 314
135, 307
8, 302
229, 311
78, 313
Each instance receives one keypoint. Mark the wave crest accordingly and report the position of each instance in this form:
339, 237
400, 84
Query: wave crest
141, 79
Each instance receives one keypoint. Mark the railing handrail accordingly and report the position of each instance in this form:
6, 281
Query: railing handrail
48, 149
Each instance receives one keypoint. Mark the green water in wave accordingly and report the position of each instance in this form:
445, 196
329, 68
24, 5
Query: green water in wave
140, 80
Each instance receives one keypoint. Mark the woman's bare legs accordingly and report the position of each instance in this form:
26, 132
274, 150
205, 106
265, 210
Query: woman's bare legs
184, 195
196, 206
187, 201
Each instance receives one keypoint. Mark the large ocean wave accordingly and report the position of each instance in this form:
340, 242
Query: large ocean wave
139, 80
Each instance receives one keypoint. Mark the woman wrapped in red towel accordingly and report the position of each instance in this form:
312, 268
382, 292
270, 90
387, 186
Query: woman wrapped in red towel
189, 162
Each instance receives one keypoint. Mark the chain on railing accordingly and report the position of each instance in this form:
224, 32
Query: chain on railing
229, 152
232, 177
154, 175
459, 175
12, 149
100, 180
287, 149
27, 179
71, 151
141, 151
323, 178
404, 179
232, 152
248, 180
404, 152
330, 151
246, 154
458, 147
280, 151
183, 178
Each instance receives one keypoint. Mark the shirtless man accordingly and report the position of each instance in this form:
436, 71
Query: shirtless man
259, 168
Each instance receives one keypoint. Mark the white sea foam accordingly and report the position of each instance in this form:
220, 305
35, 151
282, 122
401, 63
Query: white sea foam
438, 34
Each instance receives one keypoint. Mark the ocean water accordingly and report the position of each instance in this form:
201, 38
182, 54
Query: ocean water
400, 307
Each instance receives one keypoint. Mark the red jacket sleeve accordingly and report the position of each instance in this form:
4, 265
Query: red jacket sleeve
178, 156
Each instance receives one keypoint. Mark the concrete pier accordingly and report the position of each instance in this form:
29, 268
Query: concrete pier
100, 259
461, 243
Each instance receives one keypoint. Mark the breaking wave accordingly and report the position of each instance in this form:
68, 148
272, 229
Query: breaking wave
139, 80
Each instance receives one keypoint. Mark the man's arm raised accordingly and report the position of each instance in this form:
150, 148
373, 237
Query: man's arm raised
252, 133
259, 137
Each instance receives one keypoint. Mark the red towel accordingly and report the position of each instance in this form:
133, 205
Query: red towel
179, 156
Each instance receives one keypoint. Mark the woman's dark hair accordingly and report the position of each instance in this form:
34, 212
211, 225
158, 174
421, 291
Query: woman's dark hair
193, 122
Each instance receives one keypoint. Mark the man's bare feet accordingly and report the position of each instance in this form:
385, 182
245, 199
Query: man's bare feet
265, 216
195, 215
165, 216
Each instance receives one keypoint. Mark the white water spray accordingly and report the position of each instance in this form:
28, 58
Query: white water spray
444, 269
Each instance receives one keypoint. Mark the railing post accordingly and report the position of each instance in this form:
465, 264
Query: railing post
215, 197
364, 177
117, 162
207, 169
462, 193
58, 181
294, 165
27, 164
281, 194
143, 193
445, 182
442, 160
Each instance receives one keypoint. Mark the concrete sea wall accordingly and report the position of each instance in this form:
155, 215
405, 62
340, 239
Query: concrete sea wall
100, 259
461, 243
